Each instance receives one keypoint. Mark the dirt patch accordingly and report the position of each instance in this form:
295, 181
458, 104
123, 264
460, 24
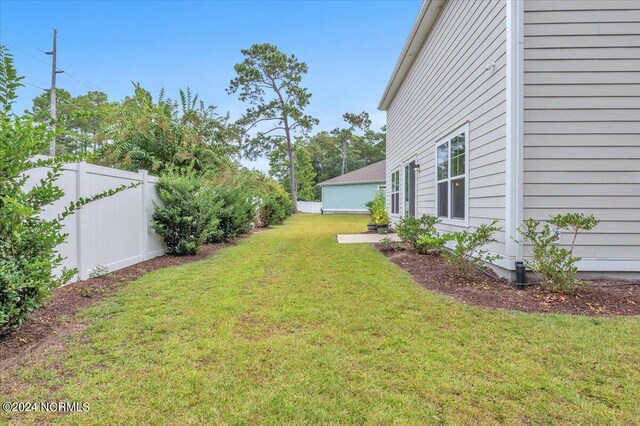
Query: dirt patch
596, 298
49, 325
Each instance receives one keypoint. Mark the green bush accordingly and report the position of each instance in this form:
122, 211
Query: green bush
235, 216
377, 208
189, 212
275, 208
28, 255
412, 230
432, 243
469, 249
556, 265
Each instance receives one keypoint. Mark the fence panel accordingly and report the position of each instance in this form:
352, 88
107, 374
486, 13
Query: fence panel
310, 207
114, 232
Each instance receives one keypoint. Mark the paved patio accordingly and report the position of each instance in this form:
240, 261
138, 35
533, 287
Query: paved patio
364, 238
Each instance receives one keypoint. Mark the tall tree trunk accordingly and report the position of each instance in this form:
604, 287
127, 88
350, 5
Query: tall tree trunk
292, 172
344, 156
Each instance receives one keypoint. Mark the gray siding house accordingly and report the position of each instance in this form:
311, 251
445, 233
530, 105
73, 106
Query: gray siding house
349, 192
507, 110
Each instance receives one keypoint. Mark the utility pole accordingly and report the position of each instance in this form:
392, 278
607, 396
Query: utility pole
54, 73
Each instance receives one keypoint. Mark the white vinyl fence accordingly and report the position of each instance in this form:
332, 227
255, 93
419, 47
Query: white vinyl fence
310, 207
113, 232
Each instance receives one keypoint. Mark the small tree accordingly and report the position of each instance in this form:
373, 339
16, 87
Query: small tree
269, 81
28, 254
469, 249
556, 265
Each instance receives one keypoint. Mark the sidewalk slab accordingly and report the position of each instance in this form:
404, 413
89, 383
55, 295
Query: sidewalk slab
365, 238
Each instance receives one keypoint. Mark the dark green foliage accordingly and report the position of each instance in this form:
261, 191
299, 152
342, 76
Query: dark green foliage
556, 265
411, 229
275, 208
269, 80
377, 208
160, 134
236, 214
469, 250
28, 255
305, 175
85, 118
326, 154
187, 214
196, 210
432, 243
346, 135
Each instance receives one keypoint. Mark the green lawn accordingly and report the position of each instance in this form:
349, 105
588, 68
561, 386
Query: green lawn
290, 327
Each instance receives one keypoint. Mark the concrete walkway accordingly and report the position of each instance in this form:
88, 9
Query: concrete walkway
364, 238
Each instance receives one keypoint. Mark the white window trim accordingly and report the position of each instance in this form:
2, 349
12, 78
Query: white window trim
449, 221
404, 185
391, 192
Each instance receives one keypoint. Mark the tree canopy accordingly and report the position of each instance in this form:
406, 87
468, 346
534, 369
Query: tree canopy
155, 134
270, 82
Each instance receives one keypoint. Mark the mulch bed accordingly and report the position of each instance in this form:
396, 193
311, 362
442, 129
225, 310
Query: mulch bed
49, 324
596, 298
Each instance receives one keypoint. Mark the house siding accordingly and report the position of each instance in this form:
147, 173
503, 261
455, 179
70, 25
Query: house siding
582, 119
348, 197
448, 87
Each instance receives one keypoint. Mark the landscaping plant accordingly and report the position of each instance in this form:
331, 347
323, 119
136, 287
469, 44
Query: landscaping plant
412, 230
433, 243
28, 255
378, 210
275, 208
556, 265
469, 250
235, 215
188, 213
387, 245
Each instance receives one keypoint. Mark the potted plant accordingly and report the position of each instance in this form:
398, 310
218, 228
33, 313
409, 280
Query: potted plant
375, 206
382, 221
371, 226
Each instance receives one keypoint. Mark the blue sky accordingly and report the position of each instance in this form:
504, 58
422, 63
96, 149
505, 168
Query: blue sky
350, 46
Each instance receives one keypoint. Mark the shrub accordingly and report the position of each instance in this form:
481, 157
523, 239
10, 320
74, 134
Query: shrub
235, 215
28, 242
381, 218
387, 245
376, 207
188, 214
275, 208
412, 229
432, 243
556, 265
468, 250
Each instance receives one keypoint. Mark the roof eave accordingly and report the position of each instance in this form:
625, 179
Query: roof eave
419, 32
350, 183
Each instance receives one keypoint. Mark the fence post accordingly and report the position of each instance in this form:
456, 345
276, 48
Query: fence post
80, 192
144, 215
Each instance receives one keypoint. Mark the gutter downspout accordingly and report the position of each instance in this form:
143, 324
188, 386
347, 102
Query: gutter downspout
514, 128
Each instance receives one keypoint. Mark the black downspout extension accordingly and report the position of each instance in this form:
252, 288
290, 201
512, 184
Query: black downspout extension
521, 275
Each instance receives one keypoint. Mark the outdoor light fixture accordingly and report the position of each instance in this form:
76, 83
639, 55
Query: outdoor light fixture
416, 168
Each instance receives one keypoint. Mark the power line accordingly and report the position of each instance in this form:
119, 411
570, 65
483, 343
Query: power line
23, 40
29, 55
83, 81
33, 85
88, 86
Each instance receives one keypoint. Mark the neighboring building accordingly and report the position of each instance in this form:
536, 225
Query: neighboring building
349, 192
515, 109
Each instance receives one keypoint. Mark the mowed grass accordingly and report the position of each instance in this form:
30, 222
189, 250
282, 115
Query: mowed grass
290, 327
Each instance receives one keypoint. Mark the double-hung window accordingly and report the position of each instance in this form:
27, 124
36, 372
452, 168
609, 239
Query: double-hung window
451, 174
395, 192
